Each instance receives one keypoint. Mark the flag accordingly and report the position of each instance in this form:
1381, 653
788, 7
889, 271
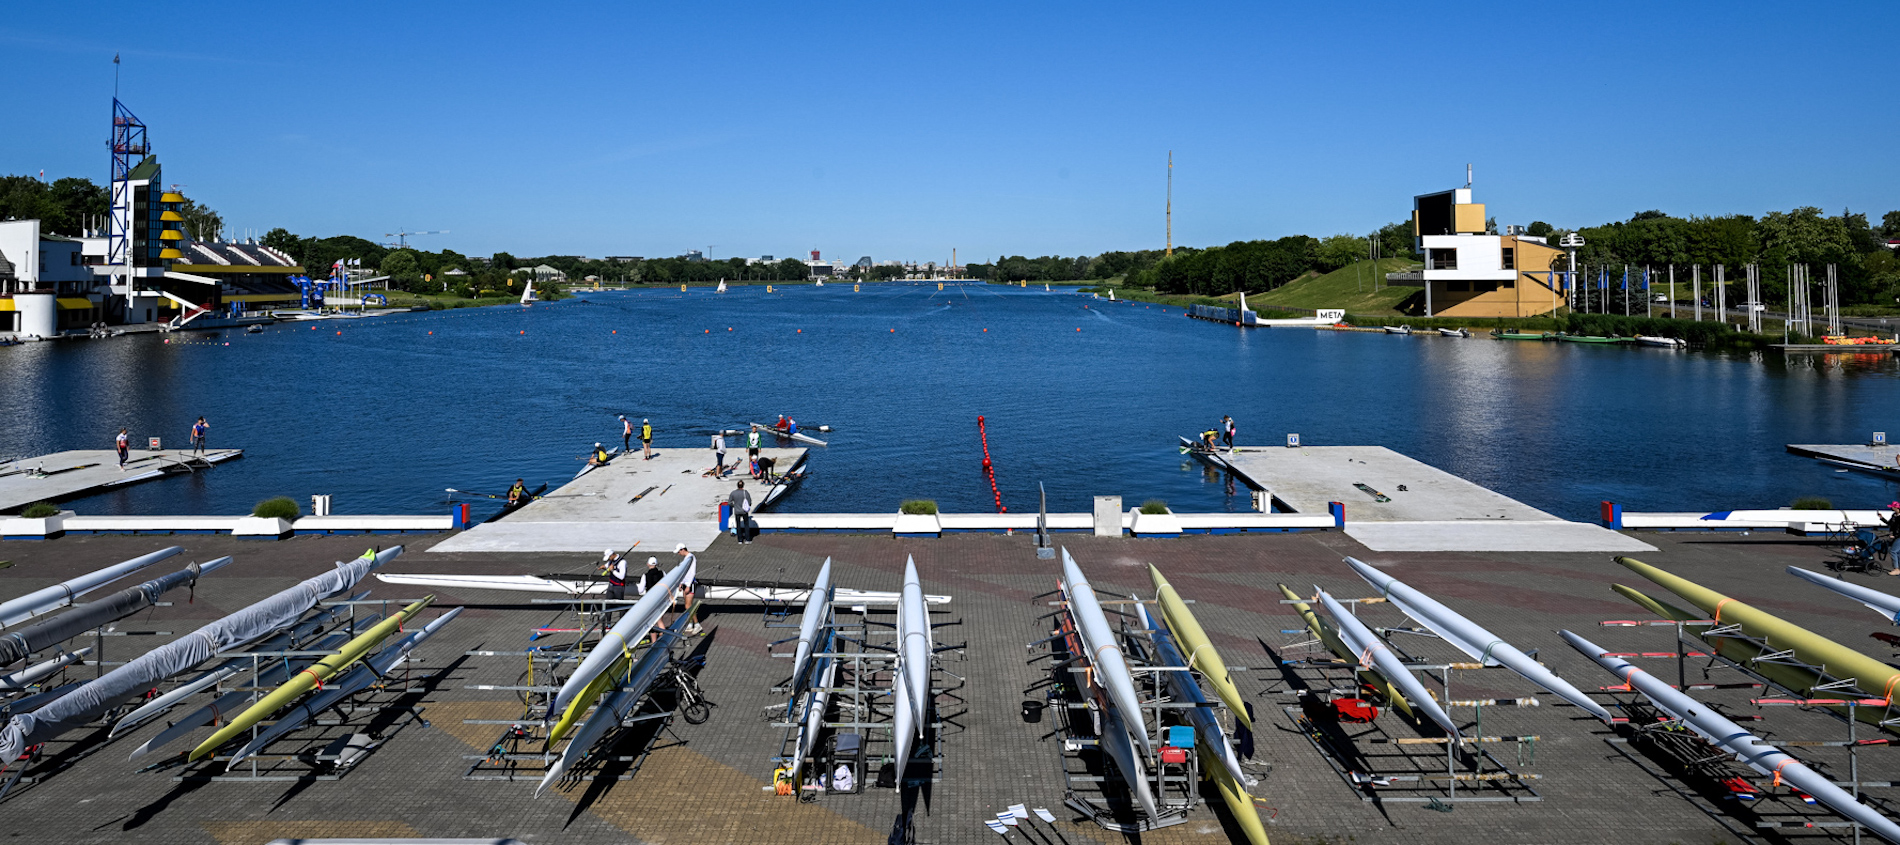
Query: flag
115, 58
1626, 278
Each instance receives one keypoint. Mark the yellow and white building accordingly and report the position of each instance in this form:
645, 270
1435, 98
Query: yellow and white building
1469, 273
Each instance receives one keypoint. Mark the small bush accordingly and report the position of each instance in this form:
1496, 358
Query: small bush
1153, 506
925, 507
1812, 503
40, 510
281, 507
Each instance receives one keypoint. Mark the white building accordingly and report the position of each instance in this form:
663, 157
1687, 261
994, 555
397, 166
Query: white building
50, 288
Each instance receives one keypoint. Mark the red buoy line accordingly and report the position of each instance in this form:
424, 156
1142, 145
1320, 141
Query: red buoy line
989, 469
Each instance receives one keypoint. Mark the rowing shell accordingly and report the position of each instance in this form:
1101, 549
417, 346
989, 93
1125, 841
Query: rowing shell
803, 438
590, 463
715, 593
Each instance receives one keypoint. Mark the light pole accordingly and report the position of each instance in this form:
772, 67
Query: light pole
1571, 242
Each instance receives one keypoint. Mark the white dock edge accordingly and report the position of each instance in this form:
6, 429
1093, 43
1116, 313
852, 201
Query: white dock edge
370, 524
155, 524
1782, 519
826, 521
1222, 523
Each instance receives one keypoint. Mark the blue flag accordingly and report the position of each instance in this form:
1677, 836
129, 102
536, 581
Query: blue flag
1626, 278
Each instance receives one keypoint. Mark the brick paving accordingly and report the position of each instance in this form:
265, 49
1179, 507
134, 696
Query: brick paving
712, 787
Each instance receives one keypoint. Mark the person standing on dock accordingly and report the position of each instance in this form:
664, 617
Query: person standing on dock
1227, 432
615, 568
122, 444
653, 575
626, 434
752, 451
741, 513
646, 438
719, 455
198, 431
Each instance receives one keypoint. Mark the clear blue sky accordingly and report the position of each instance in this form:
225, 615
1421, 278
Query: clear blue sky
900, 130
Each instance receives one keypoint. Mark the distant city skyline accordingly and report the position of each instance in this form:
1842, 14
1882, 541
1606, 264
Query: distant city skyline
904, 132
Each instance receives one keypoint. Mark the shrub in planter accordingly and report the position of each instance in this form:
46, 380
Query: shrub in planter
1812, 503
925, 507
281, 507
40, 510
1154, 506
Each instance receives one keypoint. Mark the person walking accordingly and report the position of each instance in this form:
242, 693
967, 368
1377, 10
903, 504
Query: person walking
688, 587
122, 443
198, 431
1227, 432
752, 451
646, 438
615, 567
626, 435
742, 513
719, 455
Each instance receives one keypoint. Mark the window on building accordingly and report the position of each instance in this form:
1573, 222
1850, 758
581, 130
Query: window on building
1510, 283
1510, 258
1486, 287
1442, 259
1458, 286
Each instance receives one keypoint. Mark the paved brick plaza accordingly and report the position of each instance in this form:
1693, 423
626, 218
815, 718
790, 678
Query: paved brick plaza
710, 788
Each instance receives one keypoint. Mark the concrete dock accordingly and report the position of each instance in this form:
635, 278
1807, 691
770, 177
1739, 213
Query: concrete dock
83, 472
1396, 503
658, 503
1883, 459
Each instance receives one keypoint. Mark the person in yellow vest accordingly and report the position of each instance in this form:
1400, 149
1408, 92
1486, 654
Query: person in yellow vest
646, 438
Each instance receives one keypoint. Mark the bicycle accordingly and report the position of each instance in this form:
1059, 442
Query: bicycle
693, 705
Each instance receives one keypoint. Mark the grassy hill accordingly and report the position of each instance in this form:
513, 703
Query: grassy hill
1349, 287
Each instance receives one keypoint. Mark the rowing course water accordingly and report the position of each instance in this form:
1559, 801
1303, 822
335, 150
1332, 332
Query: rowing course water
1084, 395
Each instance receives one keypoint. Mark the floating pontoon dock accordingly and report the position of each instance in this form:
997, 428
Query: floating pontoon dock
82, 472
1881, 458
659, 503
1395, 503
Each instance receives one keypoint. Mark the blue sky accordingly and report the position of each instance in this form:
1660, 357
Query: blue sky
903, 130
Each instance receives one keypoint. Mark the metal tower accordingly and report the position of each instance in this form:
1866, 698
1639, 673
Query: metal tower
129, 147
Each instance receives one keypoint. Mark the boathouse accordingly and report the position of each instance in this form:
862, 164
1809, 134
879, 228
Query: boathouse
1470, 272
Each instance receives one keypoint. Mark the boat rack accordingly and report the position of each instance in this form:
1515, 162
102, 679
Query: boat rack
521, 752
866, 650
1383, 768
1088, 788
334, 741
1850, 700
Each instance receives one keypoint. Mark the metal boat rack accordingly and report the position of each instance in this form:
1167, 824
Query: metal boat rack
513, 755
1088, 788
860, 695
1382, 768
1791, 814
331, 744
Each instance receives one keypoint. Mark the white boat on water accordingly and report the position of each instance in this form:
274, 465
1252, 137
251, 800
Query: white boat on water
1398, 329
821, 283
722, 287
1111, 294
1664, 342
527, 294
1455, 332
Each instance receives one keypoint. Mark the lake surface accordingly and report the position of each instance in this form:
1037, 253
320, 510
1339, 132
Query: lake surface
1086, 396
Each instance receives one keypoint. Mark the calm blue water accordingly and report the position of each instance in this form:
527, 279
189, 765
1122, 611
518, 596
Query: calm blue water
386, 415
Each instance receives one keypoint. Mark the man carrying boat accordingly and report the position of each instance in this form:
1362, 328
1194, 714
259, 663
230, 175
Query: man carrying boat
518, 493
653, 575
688, 588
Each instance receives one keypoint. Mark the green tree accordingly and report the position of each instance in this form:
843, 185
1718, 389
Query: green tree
201, 223
1337, 251
282, 240
1539, 229
77, 202
403, 270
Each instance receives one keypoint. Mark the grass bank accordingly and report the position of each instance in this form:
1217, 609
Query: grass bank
1359, 288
